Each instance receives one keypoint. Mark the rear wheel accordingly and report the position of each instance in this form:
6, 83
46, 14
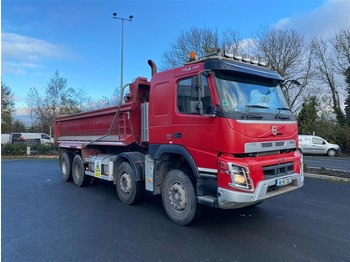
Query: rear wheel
179, 198
129, 191
66, 166
78, 173
331, 152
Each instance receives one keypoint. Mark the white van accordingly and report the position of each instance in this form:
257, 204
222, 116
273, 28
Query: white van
31, 138
309, 144
5, 138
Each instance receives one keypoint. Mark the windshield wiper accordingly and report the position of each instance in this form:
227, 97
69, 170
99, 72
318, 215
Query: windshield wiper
245, 113
257, 106
279, 112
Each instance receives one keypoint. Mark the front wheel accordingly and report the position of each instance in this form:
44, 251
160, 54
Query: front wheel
179, 198
331, 152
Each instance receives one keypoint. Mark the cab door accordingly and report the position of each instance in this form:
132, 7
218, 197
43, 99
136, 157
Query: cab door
196, 132
319, 146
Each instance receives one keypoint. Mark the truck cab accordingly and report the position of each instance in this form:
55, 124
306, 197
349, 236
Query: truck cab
231, 123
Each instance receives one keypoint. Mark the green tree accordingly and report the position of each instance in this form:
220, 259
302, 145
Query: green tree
307, 116
7, 107
18, 126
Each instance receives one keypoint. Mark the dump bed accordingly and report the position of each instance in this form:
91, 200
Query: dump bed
75, 131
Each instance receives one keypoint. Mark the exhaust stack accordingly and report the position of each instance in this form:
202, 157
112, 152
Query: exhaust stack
153, 66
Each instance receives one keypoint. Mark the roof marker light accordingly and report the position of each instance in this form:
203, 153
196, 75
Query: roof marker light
254, 61
228, 54
246, 59
262, 63
237, 57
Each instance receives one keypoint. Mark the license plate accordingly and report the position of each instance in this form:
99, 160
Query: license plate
283, 181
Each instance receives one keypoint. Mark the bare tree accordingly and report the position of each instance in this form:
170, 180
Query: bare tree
341, 48
58, 99
200, 40
325, 66
289, 55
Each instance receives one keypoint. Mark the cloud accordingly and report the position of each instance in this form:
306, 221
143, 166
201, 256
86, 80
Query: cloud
323, 21
20, 52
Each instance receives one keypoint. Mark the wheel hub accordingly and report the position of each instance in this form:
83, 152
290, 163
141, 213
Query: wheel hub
64, 167
178, 196
125, 183
77, 171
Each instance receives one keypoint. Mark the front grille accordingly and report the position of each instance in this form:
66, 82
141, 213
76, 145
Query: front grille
278, 170
266, 144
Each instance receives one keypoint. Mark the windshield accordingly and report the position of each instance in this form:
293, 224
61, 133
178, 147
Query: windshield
244, 95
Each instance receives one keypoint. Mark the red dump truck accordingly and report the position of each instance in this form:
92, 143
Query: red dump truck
217, 131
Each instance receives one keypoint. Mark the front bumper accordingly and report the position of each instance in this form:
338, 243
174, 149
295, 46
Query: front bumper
338, 151
233, 199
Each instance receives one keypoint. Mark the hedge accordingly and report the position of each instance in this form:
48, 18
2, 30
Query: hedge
17, 149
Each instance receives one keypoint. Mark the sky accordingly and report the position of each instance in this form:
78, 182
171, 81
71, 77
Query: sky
82, 41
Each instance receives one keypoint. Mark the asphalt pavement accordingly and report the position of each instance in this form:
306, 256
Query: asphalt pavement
46, 219
336, 163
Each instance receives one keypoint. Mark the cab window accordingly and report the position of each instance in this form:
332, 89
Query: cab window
43, 136
186, 103
318, 141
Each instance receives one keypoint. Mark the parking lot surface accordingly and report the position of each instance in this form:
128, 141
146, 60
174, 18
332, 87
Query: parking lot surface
46, 219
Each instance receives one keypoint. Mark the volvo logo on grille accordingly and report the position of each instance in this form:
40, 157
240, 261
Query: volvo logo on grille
274, 130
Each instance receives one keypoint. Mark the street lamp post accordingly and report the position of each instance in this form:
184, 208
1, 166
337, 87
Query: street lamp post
121, 66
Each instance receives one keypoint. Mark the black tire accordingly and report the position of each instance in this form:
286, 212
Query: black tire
331, 152
179, 198
78, 173
130, 192
66, 166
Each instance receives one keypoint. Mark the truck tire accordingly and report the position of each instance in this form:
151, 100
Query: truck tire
130, 192
331, 152
66, 166
78, 173
179, 198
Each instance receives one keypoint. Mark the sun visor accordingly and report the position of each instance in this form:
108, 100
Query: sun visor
240, 67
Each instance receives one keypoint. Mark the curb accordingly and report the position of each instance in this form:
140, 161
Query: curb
334, 178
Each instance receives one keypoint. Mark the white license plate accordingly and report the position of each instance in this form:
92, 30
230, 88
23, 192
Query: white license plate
283, 181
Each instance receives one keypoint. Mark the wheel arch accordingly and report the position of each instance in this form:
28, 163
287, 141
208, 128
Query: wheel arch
158, 151
137, 162
332, 149
168, 157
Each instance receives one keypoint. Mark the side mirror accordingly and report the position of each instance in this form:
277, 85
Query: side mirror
323, 143
197, 88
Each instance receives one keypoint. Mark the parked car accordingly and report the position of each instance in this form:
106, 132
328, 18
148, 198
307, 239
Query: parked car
31, 138
309, 144
5, 138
